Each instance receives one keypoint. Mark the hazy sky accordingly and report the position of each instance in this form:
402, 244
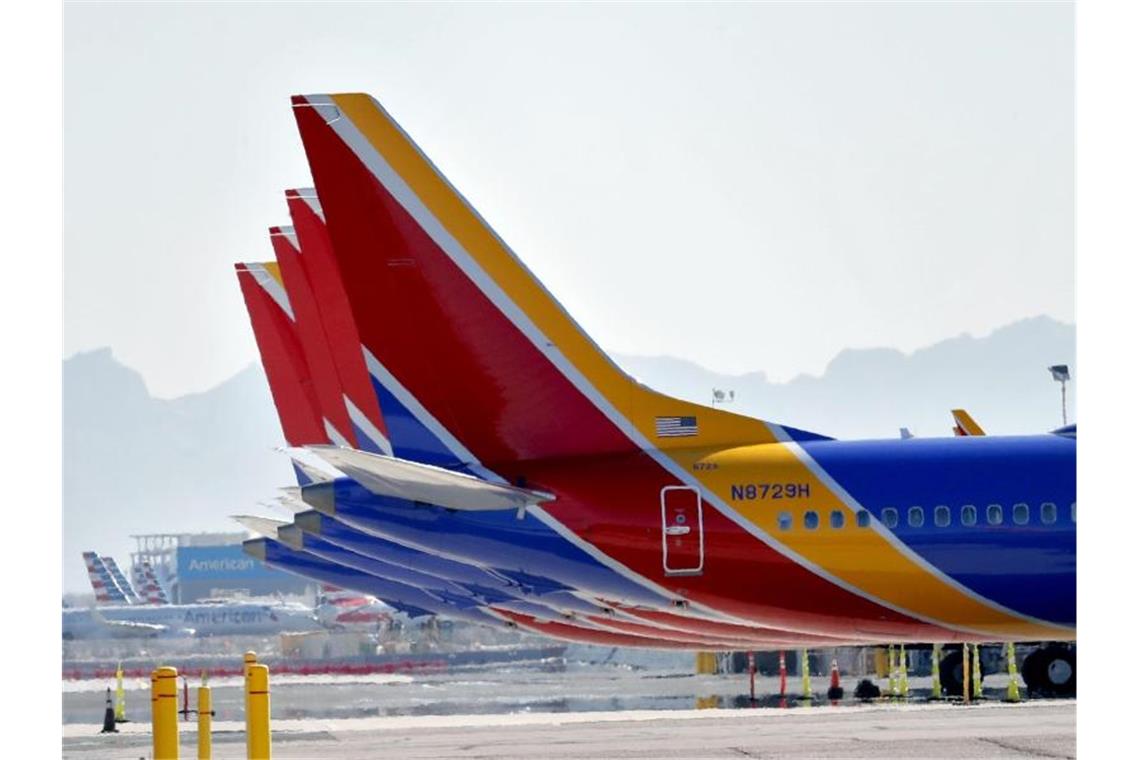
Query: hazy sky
750, 187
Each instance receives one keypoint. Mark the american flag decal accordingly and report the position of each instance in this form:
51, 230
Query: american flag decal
676, 427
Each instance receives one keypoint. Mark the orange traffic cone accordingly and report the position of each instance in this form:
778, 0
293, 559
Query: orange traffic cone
835, 691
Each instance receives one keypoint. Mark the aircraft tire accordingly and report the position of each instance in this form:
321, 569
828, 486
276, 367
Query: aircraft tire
950, 673
1052, 671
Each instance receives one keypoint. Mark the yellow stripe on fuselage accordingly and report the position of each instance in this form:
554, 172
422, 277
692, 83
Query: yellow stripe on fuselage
860, 557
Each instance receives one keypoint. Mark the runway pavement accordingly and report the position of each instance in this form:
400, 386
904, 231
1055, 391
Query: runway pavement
1042, 729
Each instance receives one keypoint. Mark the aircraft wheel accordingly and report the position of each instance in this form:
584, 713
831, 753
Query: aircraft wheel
1052, 671
950, 672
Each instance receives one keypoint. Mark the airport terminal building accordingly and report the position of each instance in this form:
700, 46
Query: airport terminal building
193, 566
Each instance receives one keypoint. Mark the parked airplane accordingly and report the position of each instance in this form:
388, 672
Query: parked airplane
487, 540
752, 519
274, 318
178, 620
341, 608
509, 545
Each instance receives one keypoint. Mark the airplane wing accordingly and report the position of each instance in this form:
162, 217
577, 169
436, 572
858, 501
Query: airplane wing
132, 628
399, 478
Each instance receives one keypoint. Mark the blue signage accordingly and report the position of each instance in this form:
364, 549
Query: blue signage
220, 562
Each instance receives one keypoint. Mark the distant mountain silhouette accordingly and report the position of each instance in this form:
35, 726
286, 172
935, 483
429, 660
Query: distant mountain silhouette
870, 393
136, 464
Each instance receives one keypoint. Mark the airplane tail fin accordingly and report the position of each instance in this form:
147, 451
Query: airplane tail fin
274, 328
121, 580
324, 316
446, 308
152, 590
964, 424
104, 586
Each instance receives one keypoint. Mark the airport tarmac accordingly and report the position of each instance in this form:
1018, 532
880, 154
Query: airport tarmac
1044, 729
570, 708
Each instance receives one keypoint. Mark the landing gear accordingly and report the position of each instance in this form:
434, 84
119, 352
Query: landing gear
1051, 671
950, 671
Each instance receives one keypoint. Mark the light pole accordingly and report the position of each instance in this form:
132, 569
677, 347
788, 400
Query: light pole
1061, 375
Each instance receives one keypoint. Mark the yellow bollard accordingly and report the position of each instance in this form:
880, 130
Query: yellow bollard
257, 696
805, 675
904, 680
708, 703
205, 719
164, 713
120, 696
966, 673
1013, 691
977, 672
249, 658
935, 674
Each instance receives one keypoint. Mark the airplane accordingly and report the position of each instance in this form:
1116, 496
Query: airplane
538, 544
272, 315
306, 216
754, 519
185, 620
341, 608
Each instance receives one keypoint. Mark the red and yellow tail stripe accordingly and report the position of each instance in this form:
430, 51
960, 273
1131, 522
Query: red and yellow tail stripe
885, 572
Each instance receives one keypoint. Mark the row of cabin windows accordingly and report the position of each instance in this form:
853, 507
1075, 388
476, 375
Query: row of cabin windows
916, 516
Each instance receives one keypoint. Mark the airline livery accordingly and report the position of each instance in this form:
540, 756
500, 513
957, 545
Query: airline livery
496, 466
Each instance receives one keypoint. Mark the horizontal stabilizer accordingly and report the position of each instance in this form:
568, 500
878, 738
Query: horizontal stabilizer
311, 473
264, 526
401, 479
292, 504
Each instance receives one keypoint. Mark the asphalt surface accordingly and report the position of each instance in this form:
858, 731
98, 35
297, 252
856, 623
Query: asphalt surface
1043, 729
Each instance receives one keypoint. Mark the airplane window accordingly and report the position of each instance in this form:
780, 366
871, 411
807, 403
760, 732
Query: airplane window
969, 515
862, 518
993, 514
811, 519
942, 516
915, 517
1048, 513
1073, 511
1021, 513
836, 518
784, 520
890, 517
